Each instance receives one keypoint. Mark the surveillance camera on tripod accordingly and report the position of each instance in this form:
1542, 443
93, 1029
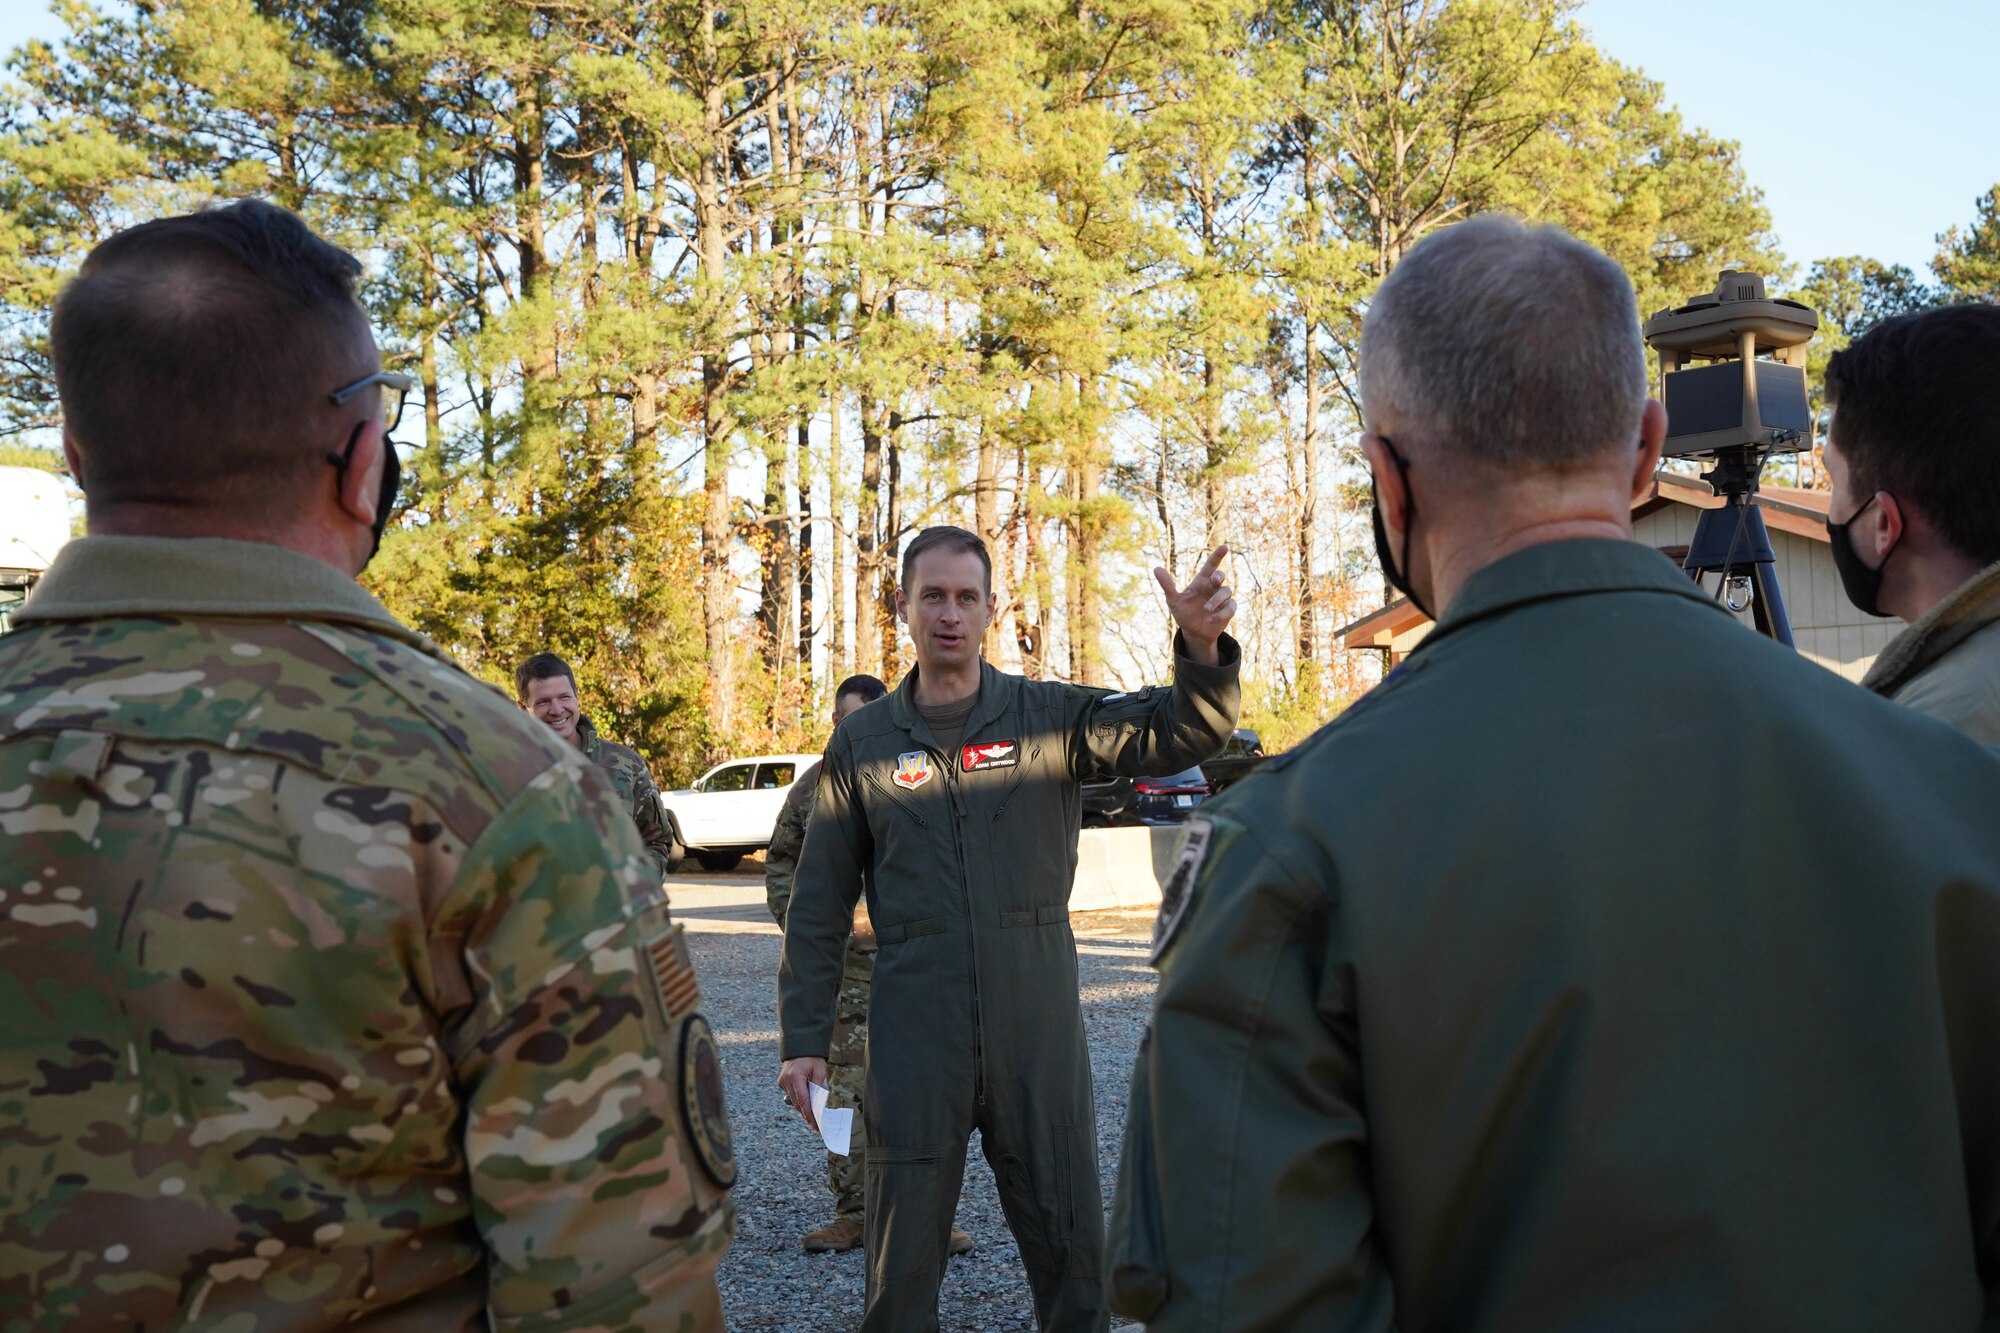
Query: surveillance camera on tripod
1746, 403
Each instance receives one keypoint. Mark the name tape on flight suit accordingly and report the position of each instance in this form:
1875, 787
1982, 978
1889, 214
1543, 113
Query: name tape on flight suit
988, 754
1178, 894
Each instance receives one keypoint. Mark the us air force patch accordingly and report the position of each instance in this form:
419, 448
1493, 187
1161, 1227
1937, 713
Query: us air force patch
702, 1110
1179, 891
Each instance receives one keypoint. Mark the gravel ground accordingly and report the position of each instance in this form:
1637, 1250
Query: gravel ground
768, 1282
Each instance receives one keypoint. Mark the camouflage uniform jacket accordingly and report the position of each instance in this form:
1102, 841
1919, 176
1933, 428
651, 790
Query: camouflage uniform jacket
636, 791
781, 867
336, 990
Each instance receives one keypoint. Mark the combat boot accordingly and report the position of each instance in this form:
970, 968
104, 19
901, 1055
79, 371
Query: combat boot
838, 1236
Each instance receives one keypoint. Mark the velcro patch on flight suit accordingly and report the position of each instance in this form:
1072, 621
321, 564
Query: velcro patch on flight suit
702, 1108
703, 1113
913, 769
673, 973
1178, 894
989, 754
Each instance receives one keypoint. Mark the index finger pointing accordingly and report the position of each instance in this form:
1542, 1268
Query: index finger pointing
1209, 565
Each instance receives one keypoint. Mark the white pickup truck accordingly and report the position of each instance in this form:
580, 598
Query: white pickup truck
731, 808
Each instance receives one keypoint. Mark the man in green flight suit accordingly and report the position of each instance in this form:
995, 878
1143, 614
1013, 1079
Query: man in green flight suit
1608, 966
955, 803
847, 1061
545, 686
337, 994
1913, 459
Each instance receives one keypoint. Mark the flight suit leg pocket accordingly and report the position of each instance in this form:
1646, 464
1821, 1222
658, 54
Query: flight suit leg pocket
904, 1195
1028, 1211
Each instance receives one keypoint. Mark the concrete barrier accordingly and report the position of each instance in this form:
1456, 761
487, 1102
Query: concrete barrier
1123, 867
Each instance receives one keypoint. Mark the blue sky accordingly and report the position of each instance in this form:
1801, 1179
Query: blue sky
1872, 137
1866, 134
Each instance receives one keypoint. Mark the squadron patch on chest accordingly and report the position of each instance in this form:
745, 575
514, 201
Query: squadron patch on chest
989, 754
913, 769
1178, 893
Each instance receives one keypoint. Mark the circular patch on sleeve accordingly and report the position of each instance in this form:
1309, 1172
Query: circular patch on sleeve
702, 1111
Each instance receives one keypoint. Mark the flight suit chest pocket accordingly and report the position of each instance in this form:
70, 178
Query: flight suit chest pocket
993, 773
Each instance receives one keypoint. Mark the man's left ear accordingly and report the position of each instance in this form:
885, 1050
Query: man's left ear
1886, 529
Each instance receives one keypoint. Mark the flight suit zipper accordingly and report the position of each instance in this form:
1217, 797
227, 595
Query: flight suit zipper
951, 787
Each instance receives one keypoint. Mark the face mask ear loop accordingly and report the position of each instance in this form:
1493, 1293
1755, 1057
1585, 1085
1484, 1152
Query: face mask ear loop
1409, 522
391, 477
1403, 580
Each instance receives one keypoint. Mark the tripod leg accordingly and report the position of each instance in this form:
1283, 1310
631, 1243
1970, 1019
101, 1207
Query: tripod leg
1770, 604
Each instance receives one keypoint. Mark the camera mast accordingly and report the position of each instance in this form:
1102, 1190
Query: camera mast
1747, 402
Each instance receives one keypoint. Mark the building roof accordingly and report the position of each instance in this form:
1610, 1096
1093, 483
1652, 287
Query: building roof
1786, 509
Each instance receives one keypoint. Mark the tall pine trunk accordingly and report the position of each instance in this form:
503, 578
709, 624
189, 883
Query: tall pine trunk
712, 259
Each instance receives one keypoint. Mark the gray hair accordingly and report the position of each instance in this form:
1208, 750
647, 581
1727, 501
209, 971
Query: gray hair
1498, 342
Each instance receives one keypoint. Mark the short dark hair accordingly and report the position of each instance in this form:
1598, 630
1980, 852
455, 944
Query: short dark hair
1917, 414
944, 537
542, 666
868, 687
195, 355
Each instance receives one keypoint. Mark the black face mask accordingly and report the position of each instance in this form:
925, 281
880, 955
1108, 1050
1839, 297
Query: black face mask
392, 477
1862, 585
1397, 574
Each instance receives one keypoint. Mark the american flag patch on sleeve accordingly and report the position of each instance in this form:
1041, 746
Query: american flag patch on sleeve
673, 973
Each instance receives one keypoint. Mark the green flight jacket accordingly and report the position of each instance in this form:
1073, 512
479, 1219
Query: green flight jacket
1607, 967
1947, 663
972, 856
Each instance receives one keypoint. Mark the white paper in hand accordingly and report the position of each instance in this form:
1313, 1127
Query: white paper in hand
836, 1127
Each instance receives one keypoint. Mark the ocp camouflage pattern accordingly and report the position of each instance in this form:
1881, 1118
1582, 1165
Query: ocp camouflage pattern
847, 1077
637, 792
323, 1000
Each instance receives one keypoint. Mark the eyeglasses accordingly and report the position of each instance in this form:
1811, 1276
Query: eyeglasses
394, 390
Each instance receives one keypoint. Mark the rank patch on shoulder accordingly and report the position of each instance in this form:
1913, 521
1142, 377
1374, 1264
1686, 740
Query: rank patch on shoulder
1178, 894
989, 754
706, 1118
913, 769
673, 973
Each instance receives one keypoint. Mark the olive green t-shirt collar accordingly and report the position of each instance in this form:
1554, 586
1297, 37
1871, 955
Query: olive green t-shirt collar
1550, 570
97, 577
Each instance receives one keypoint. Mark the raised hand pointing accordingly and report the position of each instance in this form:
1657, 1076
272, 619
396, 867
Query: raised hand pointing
1203, 609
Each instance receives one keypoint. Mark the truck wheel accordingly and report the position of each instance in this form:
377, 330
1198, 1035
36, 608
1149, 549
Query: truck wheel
717, 862
677, 849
